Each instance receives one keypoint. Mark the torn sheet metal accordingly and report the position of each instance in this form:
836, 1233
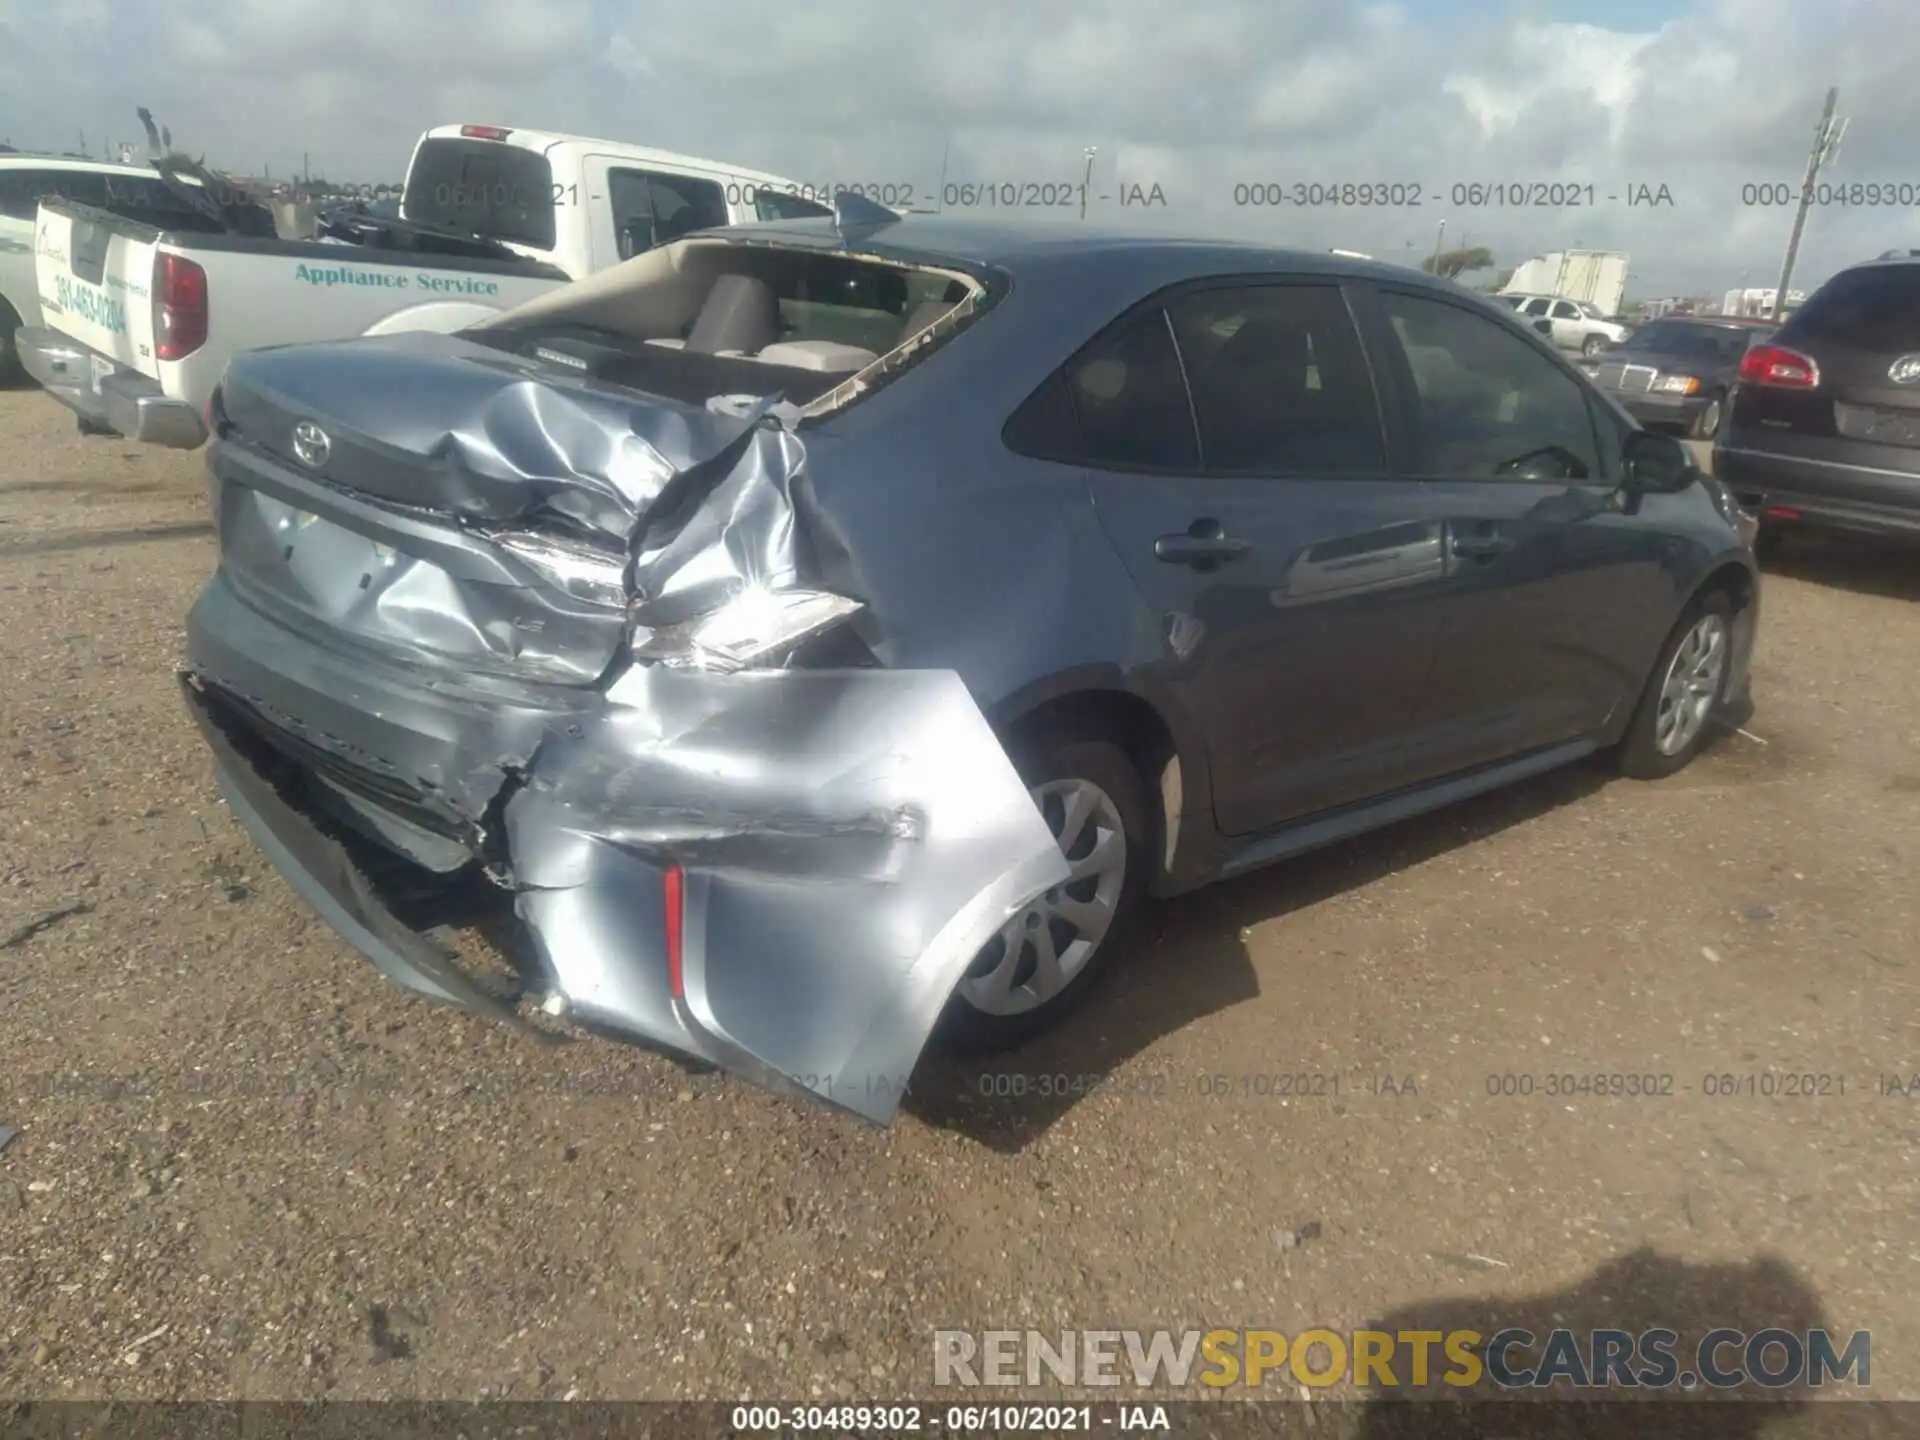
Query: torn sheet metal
444, 425
433, 626
850, 840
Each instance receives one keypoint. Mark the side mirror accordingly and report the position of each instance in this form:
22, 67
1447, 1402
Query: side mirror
1656, 464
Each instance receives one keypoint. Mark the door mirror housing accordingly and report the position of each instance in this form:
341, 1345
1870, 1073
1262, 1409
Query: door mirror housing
1656, 464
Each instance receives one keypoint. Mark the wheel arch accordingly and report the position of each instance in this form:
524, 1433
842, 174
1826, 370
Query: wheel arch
1166, 747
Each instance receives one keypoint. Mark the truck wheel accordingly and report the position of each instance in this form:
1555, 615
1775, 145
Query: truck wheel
11, 372
1593, 345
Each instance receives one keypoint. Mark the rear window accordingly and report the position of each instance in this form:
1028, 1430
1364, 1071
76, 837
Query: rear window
483, 187
1876, 307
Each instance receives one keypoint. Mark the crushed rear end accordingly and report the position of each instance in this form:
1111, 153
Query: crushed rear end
485, 634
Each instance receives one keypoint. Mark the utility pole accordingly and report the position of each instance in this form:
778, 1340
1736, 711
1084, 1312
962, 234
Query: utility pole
1433, 266
1087, 182
1826, 139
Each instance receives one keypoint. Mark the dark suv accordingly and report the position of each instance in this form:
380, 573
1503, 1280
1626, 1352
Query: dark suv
1824, 427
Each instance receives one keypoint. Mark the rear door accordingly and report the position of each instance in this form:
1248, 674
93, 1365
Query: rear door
1239, 462
1862, 329
1547, 590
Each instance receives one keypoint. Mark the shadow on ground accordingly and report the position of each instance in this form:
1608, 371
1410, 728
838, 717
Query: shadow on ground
1639, 1292
1866, 566
1186, 961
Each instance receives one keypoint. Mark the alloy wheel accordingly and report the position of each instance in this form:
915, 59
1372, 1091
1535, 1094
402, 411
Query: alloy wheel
1692, 684
1042, 949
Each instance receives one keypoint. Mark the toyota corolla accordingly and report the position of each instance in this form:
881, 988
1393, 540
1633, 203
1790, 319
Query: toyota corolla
818, 634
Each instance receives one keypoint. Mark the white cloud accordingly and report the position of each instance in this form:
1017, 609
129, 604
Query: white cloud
1194, 95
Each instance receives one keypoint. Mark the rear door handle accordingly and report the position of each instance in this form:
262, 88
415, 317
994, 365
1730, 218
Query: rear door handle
1204, 545
1482, 544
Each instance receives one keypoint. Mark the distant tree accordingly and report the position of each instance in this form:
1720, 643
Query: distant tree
1452, 264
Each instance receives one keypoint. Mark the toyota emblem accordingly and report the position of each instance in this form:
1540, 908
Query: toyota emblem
310, 444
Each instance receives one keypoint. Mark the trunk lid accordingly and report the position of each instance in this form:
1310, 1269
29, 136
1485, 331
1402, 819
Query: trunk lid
95, 274
447, 502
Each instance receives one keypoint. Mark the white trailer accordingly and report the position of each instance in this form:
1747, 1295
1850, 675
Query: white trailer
1599, 277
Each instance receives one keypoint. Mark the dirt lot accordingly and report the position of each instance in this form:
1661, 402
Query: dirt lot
247, 1166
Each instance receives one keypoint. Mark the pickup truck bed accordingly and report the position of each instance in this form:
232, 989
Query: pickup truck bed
148, 318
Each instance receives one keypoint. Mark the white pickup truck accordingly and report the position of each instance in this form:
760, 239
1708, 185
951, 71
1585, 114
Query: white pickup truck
139, 321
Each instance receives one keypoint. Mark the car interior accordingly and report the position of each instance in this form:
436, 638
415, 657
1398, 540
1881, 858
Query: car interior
701, 318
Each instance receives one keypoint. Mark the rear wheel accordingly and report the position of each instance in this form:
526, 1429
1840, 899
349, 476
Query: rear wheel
1686, 689
1046, 958
1706, 424
1593, 345
11, 371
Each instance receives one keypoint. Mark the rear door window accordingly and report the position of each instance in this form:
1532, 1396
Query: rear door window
1121, 402
1279, 381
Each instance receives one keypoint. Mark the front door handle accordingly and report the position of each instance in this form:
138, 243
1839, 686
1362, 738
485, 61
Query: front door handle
1204, 545
1482, 544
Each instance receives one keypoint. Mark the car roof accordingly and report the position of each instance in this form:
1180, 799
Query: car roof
1031, 246
543, 141
65, 162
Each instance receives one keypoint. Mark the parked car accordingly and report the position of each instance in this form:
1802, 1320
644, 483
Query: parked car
821, 632
135, 191
142, 318
1572, 324
1676, 372
1824, 426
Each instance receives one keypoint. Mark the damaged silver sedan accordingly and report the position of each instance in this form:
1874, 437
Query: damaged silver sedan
824, 631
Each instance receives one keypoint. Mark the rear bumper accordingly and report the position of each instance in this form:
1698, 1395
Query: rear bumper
1833, 494
844, 842
106, 394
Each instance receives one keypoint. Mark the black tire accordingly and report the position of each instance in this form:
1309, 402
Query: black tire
12, 372
1639, 755
965, 1028
1593, 345
1707, 423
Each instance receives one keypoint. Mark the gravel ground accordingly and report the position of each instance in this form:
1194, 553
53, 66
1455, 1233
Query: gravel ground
247, 1166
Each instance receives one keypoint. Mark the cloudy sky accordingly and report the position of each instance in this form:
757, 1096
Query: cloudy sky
1194, 96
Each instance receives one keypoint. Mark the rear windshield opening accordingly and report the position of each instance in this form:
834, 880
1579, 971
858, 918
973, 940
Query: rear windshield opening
700, 319
482, 187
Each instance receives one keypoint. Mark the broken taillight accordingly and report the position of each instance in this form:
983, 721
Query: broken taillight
179, 306
674, 887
